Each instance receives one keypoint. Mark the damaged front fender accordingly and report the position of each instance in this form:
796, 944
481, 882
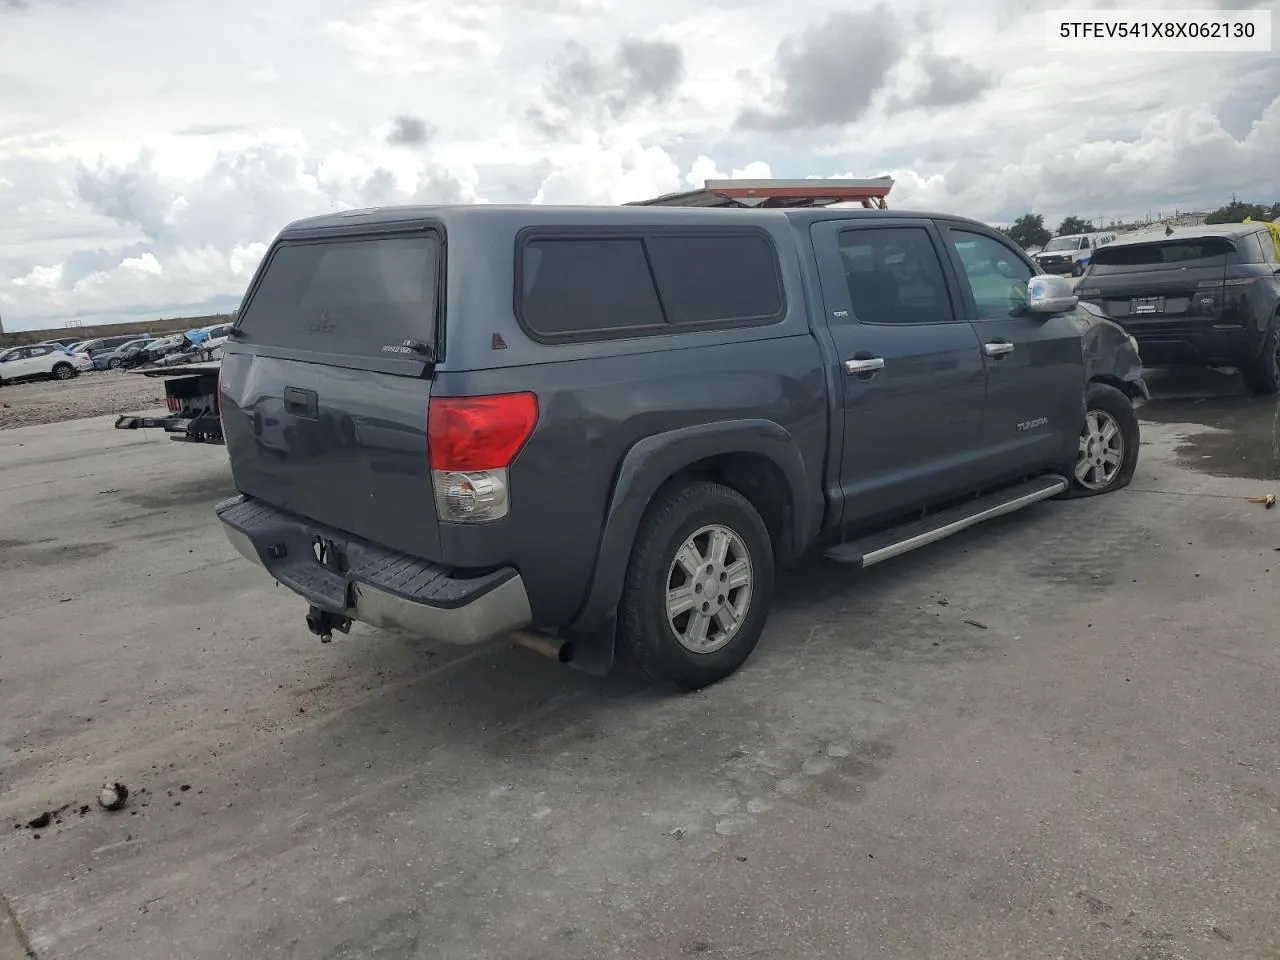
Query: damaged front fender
1110, 354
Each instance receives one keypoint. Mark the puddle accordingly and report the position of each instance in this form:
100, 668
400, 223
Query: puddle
1238, 435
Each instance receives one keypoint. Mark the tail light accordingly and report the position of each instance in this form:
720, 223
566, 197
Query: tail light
472, 441
174, 404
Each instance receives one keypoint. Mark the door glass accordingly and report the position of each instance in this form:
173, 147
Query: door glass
894, 276
997, 276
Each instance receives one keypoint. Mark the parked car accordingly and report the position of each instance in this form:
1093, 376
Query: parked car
38, 361
92, 348
600, 430
112, 358
1207, 295
160, 346
1071, 254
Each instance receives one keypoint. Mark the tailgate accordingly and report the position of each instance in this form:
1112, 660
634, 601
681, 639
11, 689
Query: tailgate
325, 388
1146, 284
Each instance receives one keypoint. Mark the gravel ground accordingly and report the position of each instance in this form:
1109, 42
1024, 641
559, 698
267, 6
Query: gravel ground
89, 395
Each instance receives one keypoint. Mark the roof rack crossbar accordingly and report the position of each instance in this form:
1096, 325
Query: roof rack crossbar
870, 193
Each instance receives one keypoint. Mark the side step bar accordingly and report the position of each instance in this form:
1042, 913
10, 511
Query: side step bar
879, 547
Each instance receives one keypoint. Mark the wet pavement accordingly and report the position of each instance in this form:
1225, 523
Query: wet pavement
1229, 432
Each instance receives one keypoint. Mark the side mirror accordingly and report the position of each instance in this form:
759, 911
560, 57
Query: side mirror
1049, 294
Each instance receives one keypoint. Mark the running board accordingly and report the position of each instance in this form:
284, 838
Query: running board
879, 547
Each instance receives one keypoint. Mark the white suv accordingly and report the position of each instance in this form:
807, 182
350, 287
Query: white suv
40, 360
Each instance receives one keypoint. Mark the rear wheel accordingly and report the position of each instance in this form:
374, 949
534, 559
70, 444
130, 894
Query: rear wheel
113, 363
63, 371
1108, 448
1262, 375
698, 589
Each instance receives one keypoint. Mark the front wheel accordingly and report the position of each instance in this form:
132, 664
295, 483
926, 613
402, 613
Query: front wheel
64, 371
113, 363
1077, 270
1108, 447
698, 589
1262, 376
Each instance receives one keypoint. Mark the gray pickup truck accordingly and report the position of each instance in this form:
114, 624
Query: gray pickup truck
599, 431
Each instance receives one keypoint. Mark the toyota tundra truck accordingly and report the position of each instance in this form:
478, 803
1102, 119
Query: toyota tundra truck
599, 431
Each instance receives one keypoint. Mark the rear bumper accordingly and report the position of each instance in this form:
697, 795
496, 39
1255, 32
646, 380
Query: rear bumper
1198, 346
376, 586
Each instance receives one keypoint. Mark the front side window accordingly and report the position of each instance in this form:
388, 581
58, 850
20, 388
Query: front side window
997, 277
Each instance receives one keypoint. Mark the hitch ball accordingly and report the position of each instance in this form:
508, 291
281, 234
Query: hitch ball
322, 623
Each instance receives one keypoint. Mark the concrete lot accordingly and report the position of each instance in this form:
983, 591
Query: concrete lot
1088, 767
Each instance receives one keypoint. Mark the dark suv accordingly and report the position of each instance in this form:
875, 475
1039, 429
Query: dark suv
1207, 296
599, 430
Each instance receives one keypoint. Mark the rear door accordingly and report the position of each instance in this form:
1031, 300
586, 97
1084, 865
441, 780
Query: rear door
325, 388
40, 360
910, 366
1035, 371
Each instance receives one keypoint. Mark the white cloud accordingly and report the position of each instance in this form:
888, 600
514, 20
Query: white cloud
136, 185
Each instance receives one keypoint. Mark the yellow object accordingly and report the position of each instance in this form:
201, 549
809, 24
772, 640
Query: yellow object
1272, 228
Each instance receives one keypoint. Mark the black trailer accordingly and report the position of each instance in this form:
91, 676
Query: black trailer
191, 394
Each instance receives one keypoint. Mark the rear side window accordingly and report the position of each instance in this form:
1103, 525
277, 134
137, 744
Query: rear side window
706, 279
894, 275
582, 287
359, 298
575, 286
1201, 251
1251, 249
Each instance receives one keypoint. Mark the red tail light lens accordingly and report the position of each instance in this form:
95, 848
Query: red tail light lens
479, 433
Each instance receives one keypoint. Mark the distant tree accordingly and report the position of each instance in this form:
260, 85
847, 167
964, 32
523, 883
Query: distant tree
1029, 231
1072, 225
1237, 210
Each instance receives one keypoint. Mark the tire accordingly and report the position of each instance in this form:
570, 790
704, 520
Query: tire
113, 363
1262, 375
1077, 270
691, 515
63, 371
1105, 406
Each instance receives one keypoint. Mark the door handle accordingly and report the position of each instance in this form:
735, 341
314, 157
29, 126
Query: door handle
863, 365
997, 348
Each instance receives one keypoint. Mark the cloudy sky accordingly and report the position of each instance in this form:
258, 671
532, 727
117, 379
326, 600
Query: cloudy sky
149, 150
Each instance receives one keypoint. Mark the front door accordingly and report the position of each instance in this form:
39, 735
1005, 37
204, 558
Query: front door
909, 365
1035, 362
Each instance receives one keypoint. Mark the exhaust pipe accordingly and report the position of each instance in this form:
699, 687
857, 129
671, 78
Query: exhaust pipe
553, 648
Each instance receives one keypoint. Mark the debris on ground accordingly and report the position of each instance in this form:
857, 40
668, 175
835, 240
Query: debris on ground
40, 822
113, 796
1268, 501
676, 834
977, 623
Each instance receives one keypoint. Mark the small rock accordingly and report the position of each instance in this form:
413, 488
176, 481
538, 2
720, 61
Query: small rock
113, 796
185, 787
676, 834
40, 822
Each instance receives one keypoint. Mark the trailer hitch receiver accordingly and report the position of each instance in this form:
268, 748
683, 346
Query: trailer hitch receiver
322, 623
